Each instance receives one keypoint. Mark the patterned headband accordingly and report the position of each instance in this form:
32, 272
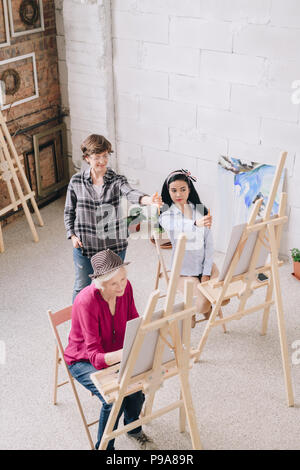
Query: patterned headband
183, 172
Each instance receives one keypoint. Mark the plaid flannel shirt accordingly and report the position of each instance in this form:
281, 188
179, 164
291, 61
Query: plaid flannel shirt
95, 220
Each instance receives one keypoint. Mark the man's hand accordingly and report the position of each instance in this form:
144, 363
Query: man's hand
205, 278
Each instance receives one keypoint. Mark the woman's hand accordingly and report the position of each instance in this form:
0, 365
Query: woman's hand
76, 242
113, 357
205, 278
206, 221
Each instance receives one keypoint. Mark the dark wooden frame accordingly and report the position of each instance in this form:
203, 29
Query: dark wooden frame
61, 130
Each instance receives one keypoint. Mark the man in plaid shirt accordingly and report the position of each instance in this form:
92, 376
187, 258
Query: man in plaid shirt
92, 216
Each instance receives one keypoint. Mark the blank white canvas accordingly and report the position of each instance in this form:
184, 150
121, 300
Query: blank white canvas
246, 255
144, 361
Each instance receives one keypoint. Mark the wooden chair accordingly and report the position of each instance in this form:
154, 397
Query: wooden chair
162, 272
56, 319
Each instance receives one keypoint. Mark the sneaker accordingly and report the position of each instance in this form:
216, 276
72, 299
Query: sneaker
143, 441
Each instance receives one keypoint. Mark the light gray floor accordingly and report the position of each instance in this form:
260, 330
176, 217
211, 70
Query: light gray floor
238, 388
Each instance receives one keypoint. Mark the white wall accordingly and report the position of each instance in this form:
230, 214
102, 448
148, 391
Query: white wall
85, 59
176, 83
198, 78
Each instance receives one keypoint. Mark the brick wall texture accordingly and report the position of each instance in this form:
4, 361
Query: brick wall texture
47, 105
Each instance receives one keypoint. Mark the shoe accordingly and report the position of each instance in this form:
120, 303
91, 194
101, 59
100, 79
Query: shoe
143, 441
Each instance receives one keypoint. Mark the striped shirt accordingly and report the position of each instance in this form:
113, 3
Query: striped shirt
96, 219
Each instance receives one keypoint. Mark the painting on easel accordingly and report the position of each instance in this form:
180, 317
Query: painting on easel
240, 184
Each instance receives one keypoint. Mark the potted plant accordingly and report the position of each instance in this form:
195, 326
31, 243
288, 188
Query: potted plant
134, 219
296, 258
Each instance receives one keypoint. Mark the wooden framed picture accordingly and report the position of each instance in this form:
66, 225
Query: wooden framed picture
25, 17
4, 24
51, 160
18, 77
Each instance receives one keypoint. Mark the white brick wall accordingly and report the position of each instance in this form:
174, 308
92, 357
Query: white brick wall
232, 68
201, 34
192, 79
267, 41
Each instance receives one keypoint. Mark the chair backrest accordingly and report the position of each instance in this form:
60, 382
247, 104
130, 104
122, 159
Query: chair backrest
56, 319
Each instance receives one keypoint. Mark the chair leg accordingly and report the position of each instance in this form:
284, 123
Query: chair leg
81, 413
55, 375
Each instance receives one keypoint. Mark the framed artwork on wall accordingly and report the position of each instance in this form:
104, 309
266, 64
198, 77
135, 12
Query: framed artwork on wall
25, 17
18, 77
4, 24
51, 161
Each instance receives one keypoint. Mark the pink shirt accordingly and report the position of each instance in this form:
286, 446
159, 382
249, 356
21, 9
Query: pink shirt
95, 331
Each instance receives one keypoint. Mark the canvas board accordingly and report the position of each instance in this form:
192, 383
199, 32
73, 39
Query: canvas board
145, 360
246, 255
240, 184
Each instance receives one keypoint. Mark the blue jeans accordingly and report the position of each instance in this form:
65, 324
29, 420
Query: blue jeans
131, 406
83, 267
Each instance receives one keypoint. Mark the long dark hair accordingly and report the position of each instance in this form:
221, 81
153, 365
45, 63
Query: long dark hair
193, 195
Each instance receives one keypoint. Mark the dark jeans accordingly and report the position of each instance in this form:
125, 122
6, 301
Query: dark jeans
131, 406
83, 267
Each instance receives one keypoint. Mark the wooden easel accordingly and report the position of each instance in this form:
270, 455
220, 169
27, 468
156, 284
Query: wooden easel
162, 271
107, 380
10, 165
242, 286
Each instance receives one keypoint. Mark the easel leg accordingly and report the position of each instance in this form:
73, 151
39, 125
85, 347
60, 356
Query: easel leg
206, 333
157, 275
267, 309
30, 221
113, 415
149, 403
1, 241
37, 212
182, 417
220, 314
280, 318
189, 410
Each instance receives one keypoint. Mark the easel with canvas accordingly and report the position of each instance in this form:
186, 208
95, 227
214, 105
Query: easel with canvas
172, 328
239, 277
163, 272
10, 165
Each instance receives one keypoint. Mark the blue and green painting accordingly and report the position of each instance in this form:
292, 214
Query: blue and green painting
240, 184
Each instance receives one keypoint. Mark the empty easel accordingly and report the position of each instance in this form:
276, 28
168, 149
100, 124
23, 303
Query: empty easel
149, 381
268, 233
12, 172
